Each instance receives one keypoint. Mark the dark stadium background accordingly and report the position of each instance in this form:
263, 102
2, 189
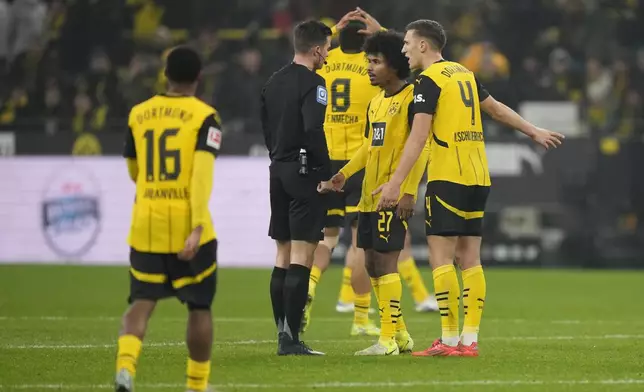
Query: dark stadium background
69, 71
568, 321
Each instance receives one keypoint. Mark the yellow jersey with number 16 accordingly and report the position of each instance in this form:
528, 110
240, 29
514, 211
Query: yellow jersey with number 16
164, 134
349, 94
450, 92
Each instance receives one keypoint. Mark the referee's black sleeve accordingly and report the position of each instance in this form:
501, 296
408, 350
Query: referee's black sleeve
264, 117
313, 109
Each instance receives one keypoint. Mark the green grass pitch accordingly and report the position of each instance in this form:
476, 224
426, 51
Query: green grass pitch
543, 330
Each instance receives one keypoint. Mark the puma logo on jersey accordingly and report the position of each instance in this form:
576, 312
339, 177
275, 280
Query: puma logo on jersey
418, 98
386, 238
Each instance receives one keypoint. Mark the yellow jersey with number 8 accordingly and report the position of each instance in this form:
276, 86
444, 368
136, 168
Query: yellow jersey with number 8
349, 94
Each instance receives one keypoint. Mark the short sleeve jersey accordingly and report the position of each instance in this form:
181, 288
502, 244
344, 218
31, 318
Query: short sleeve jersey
450, 92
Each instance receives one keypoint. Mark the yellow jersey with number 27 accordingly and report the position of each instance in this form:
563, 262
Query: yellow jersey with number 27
349, 94
388, 127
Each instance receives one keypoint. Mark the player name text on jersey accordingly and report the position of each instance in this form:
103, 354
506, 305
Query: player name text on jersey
346, 67
167, 193
468, 136
163, 112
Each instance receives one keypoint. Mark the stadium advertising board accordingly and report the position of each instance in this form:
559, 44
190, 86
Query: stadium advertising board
77, 209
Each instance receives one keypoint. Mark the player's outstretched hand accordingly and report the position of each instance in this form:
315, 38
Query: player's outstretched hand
548, 138
338, 181
191, 245
325, 187
405, 207
372, 25
389, 194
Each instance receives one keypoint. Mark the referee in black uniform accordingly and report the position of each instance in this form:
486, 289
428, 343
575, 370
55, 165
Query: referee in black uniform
293, 106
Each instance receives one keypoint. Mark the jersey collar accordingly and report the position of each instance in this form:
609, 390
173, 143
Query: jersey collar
397, 92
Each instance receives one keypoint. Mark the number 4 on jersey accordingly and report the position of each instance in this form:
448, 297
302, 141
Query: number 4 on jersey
468, 99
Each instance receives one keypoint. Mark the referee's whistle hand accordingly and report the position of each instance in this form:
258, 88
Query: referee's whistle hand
325, 187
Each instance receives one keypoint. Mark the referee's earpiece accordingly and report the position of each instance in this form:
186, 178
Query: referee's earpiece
323, 58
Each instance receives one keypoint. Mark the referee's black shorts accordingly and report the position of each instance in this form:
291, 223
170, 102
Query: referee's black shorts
298, 211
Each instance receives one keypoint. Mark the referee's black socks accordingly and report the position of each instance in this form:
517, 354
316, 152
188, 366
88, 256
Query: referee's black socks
296, 288
277, 296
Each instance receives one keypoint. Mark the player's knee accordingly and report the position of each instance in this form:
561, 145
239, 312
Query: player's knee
195, 306
330, 241
468, 262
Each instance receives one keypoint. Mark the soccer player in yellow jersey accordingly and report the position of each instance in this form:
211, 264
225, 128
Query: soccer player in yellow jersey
350, 91
447, 98
170, 148
382, 233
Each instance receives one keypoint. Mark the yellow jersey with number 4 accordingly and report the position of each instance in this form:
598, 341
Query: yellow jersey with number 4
349, 94
164, 134
451, 94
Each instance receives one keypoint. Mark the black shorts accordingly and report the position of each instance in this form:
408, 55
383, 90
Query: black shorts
155, 276
343, 206
381, 231
298, 211
454, 210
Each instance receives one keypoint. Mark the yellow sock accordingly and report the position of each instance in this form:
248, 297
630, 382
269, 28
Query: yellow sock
400, 320
390, 291
374, 284
361, 309
197, 375
447, 292
346, 291
410, 274
129, 348
474, 289
314, 278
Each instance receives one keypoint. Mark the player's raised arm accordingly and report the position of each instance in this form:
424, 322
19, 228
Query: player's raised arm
372, 25
503, 114
129, 153
342, 23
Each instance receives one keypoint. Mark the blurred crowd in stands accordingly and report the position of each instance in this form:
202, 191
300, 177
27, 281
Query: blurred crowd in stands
78, 65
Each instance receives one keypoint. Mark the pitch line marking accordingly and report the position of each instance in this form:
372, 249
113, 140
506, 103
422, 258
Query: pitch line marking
385, 384
91, 346
416, 319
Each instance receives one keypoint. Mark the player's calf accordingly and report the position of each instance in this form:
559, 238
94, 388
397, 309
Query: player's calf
134, 325
199, 340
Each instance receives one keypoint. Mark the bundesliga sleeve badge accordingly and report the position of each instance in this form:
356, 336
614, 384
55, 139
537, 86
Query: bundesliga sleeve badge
214, 138
321, 95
